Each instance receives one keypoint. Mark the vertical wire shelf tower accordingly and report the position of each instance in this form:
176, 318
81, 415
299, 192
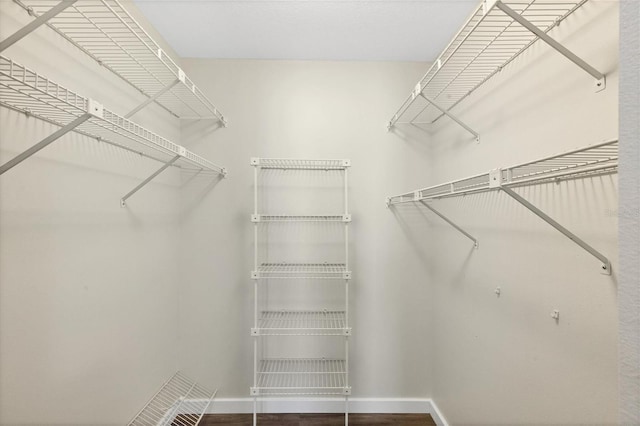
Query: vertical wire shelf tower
319, 377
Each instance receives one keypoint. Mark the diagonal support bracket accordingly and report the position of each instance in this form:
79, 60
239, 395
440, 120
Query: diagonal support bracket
443, 217
42, 19
44, 143
451, 116
606, 264
123, 200
600, 77
152, 98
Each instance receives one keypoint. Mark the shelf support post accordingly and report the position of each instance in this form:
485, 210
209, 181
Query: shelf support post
600, 78
123, 200
44, 142
606, 264
152, 98
451, 116
446, 219
42, 19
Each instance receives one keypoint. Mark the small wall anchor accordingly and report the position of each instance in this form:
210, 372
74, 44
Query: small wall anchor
497, 291
555, 315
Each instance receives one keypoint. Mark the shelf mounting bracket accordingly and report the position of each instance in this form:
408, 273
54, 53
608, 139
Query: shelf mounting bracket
123, 200
93, 109
443, 217
600, 78
42, 19
450, 115
152, 98
606, 264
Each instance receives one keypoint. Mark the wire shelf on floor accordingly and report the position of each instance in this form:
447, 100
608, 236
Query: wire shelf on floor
27, 91
302, 270
307, 218
592, 160
487, 42
299, 164
302, 377
180, 401
105, 31
302, 323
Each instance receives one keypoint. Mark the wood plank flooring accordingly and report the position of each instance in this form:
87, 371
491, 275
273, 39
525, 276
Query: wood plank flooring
318, 420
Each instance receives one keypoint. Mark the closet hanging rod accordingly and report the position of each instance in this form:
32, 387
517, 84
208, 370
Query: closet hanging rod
592, 160
106, 32
24, 90
495, 34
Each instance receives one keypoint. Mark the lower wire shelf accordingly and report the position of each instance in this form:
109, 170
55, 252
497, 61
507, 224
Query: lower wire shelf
302, 323
302, 270
287, 376
180, 401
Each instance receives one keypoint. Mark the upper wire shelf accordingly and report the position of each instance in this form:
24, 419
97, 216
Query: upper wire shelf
493, 37
302, 323
302, 377
299, 164
180, 401
302, 270
105, 31
588, 161
302, 218
27, 91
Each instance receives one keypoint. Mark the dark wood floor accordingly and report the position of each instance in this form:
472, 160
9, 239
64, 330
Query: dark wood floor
318, 420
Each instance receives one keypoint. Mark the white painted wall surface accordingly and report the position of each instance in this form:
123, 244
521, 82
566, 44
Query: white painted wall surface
504, 360
88, 290
309, 110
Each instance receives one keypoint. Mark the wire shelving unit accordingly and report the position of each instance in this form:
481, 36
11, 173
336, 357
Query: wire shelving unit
298, 376
106, 31
317, 377
24, 90
496, 34
180, 401
589, 161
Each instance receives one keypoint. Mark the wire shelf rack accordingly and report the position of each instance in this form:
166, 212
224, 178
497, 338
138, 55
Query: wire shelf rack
180, 402
299, 164
302, 270
105, 31
33, 94
588, 161
487, 42
311, 218
302, 377
302, 323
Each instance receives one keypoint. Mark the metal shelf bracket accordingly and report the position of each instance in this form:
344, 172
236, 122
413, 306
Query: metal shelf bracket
600, 82
418, 92
94, 109
31, 26
459, 229
605, 268
153, 98
123, 200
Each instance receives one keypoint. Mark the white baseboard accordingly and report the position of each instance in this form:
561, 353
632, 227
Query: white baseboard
328, 405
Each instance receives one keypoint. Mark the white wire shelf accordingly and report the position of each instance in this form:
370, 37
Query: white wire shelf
299, 164
105, 31
180, 401
488, 41
29, 92
588, 161
295, 218
302, 323
302, 270
302, 377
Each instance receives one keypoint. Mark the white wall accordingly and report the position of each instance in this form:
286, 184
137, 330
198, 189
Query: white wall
504, 360
88, 290
309, 110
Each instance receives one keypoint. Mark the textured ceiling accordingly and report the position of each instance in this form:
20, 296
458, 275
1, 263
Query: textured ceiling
379, 30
